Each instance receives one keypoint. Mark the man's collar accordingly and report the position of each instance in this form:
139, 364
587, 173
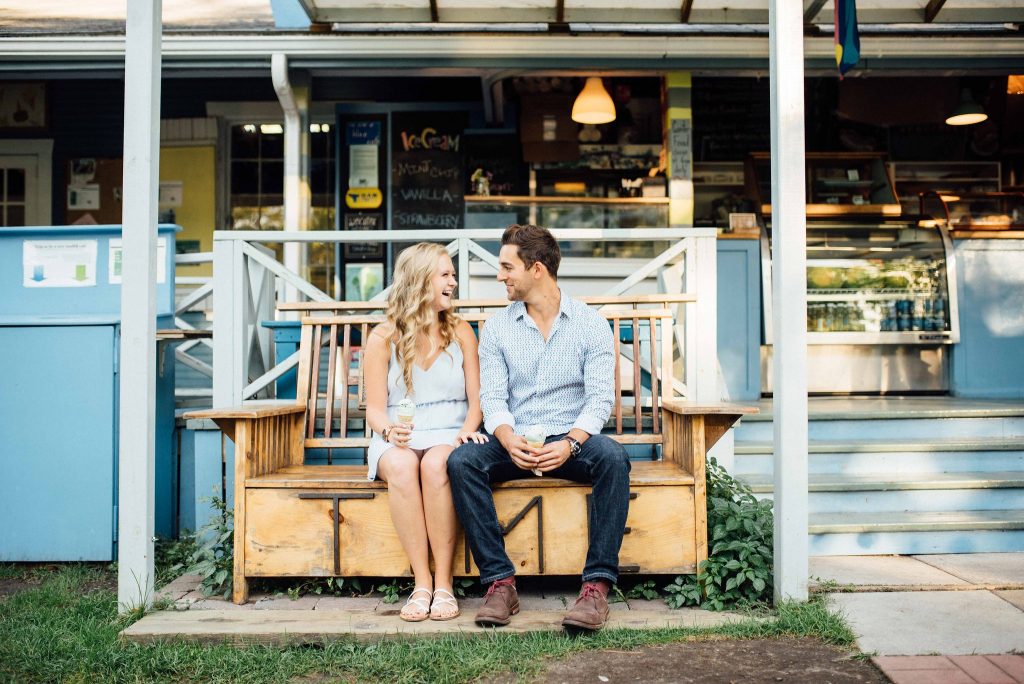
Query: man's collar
565, 306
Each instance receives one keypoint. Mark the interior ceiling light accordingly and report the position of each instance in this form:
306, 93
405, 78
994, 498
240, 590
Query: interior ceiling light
967, 112
593, 105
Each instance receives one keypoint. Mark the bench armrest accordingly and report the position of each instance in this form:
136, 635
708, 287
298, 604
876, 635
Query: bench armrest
267, 437
691, 408
247, 411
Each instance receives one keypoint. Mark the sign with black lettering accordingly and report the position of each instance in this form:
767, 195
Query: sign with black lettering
427, 170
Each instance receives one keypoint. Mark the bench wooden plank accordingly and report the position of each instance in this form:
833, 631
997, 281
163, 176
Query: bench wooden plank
354, 477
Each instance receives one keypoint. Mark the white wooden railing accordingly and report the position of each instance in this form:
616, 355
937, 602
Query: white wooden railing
193, 291
246, 276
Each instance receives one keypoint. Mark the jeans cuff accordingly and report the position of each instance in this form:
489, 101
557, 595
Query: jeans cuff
591, 576
499, 576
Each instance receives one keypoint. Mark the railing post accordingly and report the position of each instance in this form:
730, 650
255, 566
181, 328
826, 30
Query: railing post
227, 321
464, 268
705, 285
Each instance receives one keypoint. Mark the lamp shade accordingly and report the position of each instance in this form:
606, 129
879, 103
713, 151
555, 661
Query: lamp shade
967, 112
593, 105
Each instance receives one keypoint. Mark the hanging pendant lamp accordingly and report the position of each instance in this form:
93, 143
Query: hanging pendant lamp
593, 105
967, 112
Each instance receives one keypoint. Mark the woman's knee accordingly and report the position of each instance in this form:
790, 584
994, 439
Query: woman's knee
400, 468
434, 466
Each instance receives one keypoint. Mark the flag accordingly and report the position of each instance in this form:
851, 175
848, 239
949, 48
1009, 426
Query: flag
847, 37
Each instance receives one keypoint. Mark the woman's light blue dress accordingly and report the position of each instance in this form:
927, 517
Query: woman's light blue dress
441, 403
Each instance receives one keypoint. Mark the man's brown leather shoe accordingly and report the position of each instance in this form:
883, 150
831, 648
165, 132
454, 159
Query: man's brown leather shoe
590, 612
500, 603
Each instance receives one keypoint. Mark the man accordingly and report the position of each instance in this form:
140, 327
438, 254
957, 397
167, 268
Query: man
546, 360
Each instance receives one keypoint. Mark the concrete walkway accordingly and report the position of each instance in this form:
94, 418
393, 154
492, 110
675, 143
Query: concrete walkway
268, 619
944, 618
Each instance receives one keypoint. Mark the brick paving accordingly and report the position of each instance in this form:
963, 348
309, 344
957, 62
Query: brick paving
972, 669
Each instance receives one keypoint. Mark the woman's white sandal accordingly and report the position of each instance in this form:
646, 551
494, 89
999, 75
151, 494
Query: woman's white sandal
447, 601
422, 605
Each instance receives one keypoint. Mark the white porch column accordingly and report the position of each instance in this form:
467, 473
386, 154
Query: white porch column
137, 413
789, 297
295, 103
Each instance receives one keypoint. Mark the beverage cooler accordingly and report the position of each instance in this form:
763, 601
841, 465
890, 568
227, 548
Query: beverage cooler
881, 307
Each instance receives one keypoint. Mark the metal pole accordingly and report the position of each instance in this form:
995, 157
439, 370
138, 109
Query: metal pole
137, 414
789, 297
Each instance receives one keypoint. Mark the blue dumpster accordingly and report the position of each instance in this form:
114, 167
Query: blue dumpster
60, 302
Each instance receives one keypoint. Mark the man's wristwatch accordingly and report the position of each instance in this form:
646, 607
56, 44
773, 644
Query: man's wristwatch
574, 446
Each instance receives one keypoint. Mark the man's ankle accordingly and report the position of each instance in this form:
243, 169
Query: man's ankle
602, 585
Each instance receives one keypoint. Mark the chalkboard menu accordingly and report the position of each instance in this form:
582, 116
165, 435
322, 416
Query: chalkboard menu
428, 177
501, 156
730, 118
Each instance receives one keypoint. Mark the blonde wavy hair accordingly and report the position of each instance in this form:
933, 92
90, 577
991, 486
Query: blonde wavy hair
409, 305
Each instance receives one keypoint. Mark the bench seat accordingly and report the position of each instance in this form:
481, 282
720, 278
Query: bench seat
291, 529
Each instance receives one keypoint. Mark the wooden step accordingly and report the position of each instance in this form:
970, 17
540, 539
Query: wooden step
891, 446
827, 482
937, 521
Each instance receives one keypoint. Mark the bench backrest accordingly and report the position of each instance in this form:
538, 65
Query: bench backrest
331, 387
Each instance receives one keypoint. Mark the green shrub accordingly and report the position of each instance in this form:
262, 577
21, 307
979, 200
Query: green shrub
214, 556
738, 570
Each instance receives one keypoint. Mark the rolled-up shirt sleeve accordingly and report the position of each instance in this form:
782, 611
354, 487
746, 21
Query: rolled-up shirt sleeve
493, 382
598, 378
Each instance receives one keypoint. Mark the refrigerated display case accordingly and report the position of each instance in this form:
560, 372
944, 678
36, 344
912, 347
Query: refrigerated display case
881, 307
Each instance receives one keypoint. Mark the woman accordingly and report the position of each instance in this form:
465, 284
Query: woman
425, 353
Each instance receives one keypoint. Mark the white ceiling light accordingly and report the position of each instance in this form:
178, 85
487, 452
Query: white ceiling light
593, 105
967, 112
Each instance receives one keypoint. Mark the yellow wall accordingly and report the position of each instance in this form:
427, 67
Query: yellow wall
196, 168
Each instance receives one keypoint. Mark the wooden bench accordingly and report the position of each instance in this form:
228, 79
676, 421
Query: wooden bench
299, 520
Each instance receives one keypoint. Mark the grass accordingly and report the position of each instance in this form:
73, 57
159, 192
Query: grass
64, 629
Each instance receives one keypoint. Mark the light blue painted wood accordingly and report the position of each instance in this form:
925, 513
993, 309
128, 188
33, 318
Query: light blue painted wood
892, 462
57, 448
916, 501
989, 361
739, 317
907, 543
202, 473
897, 429
289, 14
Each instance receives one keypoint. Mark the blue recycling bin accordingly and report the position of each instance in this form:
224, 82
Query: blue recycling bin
60, 303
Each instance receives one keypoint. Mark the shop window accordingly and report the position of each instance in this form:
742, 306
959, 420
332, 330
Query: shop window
12, 197
257, 189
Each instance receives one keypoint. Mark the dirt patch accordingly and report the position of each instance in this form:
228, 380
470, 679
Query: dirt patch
714, 662
11, 586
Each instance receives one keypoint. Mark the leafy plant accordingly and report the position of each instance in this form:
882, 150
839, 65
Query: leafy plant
738, 570
643, 590
214, 556
462, 585
391, 591
173, 556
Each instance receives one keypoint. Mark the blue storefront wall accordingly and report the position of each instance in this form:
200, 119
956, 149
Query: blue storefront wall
59, 350
989, 361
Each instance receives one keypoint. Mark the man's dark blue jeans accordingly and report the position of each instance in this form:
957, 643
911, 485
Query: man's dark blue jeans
473, 468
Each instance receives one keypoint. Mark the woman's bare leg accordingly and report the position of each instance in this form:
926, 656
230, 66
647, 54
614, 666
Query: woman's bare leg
439, 512
400, 468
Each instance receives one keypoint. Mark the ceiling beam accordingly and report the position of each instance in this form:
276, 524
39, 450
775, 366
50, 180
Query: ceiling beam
560, 12
684, 11
932, 10
433, 11
811, 10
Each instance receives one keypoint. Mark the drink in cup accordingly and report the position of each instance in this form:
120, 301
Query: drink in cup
535, 440
406, 410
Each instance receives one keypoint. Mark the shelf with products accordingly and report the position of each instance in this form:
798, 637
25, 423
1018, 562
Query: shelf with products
946, 178
988, 211
838, 184
718, 191
577, 212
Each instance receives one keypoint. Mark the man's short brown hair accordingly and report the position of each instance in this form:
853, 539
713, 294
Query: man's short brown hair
534, 244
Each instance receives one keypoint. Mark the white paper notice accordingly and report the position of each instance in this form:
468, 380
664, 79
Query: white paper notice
84, 197
59, 263
171, 193
363, 170
115, 261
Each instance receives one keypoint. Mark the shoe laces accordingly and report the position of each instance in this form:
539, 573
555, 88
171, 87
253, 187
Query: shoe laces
507, 582
589, 591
